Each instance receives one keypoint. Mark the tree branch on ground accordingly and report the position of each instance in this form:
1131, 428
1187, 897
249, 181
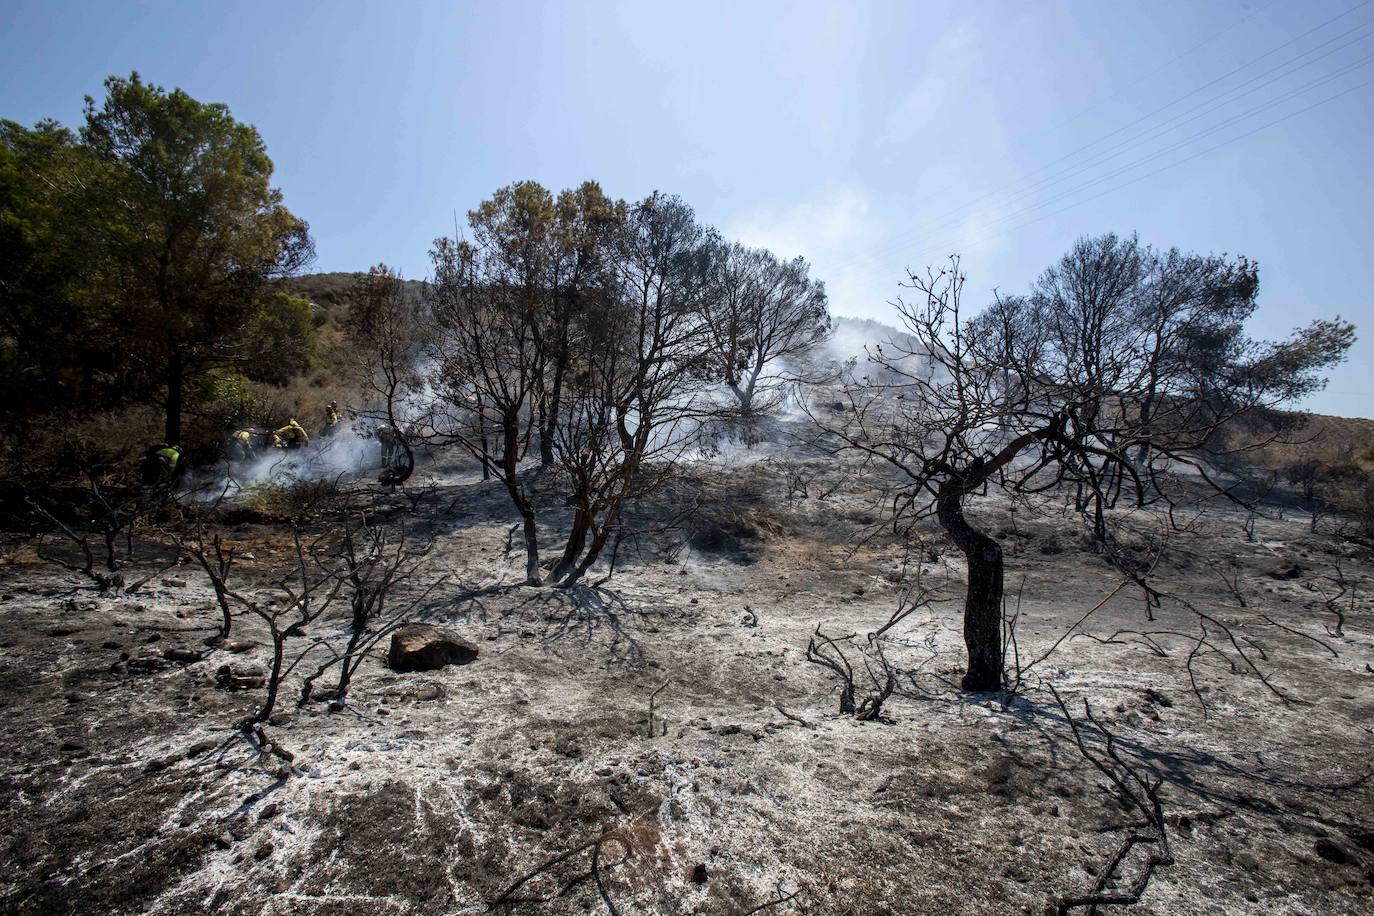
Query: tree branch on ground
1141, 792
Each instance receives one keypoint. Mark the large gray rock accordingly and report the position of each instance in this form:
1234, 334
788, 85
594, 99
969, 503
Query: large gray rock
421, 647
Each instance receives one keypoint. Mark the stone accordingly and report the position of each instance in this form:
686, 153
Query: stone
201, 747
430, 691
237, 645
1247, 861
270, 811
224, 840
240, 677
1286, 570
699, 873
181, 654
1333, 852
421, 647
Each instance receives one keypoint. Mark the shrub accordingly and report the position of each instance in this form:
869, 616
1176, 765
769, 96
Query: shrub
290, 497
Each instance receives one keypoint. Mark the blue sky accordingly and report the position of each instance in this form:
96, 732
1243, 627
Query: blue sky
866, 136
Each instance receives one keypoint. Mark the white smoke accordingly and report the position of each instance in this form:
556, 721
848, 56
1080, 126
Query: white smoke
342, 455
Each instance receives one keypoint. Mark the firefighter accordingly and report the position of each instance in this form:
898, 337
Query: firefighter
331, 417
292, 436
241, 445
386, 437
160, 465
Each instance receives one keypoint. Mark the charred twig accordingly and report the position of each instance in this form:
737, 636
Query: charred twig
828, 654
1233, 584
507, 899
653, 697
268, 746
1139, 791
793, 716
1077, 623
1012, 679
1287, 629
781, 898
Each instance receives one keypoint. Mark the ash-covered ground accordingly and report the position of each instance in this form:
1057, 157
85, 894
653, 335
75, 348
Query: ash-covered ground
128, 788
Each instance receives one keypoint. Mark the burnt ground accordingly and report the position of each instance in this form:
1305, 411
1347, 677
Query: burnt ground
126, 788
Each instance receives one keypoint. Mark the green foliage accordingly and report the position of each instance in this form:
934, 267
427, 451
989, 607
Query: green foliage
50, 355
228, 400
193, 230
278, 343
138, 257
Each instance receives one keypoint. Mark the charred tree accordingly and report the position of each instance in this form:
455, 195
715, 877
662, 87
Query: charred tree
1121, 364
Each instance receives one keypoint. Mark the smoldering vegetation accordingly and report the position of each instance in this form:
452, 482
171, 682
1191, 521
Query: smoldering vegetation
604, 570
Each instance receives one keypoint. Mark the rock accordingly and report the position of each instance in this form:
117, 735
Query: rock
146, 664
1286, 570
237, 677
430, 691
174, 583
224, 840
237, 645
1333, 852
181, 654
111, 644
1247, 861
155, 766
73, 747
201, 747
420, 647
699, 873
60, 632
269, 811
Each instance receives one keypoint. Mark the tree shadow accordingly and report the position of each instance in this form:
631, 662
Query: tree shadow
587, 615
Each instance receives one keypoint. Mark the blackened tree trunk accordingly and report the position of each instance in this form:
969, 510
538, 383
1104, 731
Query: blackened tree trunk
510, 463
577, 539
548, 422
983, 604
176, 375
594, 551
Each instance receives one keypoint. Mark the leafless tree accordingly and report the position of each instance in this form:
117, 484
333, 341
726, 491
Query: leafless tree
863, 701
305, 592
760, 310
101, 512
1104, 380
638, 402
387, 326
488, 367
217, 561
373, 563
